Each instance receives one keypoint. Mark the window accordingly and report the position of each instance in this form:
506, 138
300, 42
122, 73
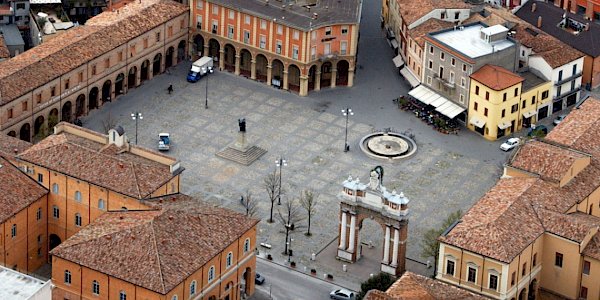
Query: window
41, 178
327, 48
464, 68
174, 297
574, 69
328, 30
193, 288
246, 36
558, 260
485, 111
231, 14
53, 91
199, 4
280, 30
514, 108
13, 231
583, 293
38, 214
247, 20
94, 68
586, 267
431, 50
101, 204
122, 295
230, 31
512, 278
95, 287
229, 260
442, 55
475, 106
263, 41
524, 104
247, 245
560, 75
278, 47
66, 84
215, 26
313, 52
461, 98
39, 252
503, 113
487, 95
211, 273
429, 80
493, 282
343, 47
107, 63
55, 188
295, 52
450, 267
296, 34
504, 97
430, 64
145, 43
524, 269
443, 15
80, 76
78, 196
67, 277
55, 212
472, 274
215, 9
77, 220
39, 239
158, 37
456, 15
10, 113
263, 24
39, 98
170, 30
199, 21
463, 82
120, 54
534, 261
453, 62
545, 94
516, 92
476, 90
344, 30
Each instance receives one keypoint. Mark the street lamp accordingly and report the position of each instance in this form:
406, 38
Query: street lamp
280, 163
209, 70
136, 116
347, 113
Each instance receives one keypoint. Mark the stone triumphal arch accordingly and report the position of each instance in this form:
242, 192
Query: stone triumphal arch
360, 201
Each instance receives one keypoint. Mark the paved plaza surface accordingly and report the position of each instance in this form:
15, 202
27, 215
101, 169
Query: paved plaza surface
447, 173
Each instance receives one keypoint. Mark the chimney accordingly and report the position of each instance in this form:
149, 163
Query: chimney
533, 7
539, 22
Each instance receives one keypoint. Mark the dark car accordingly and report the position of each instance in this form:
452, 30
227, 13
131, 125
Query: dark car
259, 279
537, 130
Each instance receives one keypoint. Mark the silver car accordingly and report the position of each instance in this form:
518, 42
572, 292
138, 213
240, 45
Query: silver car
342, 294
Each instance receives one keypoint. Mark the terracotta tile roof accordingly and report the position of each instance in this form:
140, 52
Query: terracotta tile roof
377, 295
411, 10
593, 247
152, 248
496, 78
412, 286
11, 146
82, 44
580, 130
99, 164
488, 227
418, 33
549, 161
4, 52
18, 190
552, 50
573, 226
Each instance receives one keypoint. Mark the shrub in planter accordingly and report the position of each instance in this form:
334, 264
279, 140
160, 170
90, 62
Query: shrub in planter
329, 276
269, 257
293, 264
313, 271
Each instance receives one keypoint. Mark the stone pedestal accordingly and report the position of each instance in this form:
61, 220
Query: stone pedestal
241, 151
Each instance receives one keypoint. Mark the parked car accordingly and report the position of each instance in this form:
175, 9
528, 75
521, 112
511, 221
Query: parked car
164, 142
342, 294
537, 130
259, 279
559, 119
510, 144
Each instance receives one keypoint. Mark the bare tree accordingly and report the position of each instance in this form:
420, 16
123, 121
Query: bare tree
289, 216
308, 201
249, 204
108, 123
272, 185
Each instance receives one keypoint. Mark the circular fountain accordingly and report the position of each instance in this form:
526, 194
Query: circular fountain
387, 145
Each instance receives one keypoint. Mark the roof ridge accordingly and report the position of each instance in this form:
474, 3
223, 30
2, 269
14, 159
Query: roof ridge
137, 181
154, 244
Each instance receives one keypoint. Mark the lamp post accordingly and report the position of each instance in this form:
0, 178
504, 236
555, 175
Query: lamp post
136, 116
347, 112
209, 70
281, 162
289, 251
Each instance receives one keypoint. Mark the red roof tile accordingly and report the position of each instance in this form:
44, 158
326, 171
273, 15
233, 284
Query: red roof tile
411, 10
573, 226
496, 78
593, 247
18, 190
412, 286
152, 248
580, 130
11, 146
4, 52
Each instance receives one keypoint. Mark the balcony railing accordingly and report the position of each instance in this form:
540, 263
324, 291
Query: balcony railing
446, 82
568, 93
329, 56
573, 77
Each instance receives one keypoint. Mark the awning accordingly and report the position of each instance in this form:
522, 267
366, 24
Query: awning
441, 104
450, 109
477, 122
503, 125
394, 43
412, 80
398, 61
529, 114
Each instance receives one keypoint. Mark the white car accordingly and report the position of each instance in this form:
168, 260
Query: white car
511, 143
164, 141
342, 294
559, 119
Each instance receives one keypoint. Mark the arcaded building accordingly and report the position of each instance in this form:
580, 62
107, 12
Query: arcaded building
300, 46
89, 65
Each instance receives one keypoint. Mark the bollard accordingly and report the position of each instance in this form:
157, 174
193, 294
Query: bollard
345, 268
325, 276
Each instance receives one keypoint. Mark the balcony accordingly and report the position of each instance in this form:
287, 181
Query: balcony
564, 80
446, 82
330, 56
568, 93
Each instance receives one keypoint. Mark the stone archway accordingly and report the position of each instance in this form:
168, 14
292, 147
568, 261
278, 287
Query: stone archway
312, 77
532, 290
145, 72
131, 77
294, 78
342, 72
181, 51
198, 45
66, 112
261, 68
38, 125
53, 241
169, 57
107, 91
80, 105
360, 201
93, 98
52, 119
25, 132
229, 290
277, 73
214, 48
247, 281
326, 74
156, 64
119, 84
12, 133
229, 58
245, 63
523, 294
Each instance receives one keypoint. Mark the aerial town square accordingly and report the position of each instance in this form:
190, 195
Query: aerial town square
299, 149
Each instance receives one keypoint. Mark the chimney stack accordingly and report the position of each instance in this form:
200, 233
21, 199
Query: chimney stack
533, 7
539, 22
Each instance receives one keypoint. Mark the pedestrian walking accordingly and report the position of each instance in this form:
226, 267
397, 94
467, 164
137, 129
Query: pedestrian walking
170, 89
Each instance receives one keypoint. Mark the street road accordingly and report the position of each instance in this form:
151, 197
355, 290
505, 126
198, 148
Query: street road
287, 284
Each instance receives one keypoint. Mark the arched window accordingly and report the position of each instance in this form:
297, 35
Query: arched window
55, 188
122, 295
193, 288
13, 230
101, 204
211, 273
77, 219
96, 287
67, 277
174, 297
247, 245
55, 212
78, 196
229, 259
38, 214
